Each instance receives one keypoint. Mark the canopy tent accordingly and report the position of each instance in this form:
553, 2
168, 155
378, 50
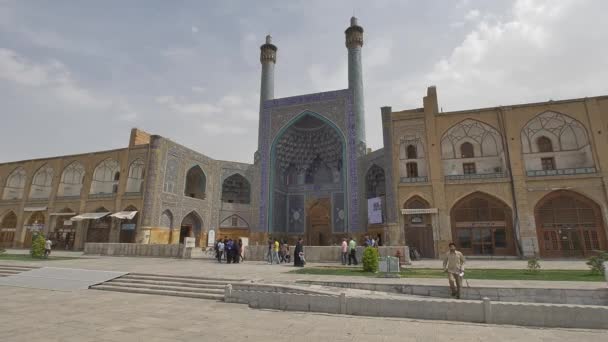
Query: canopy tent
34, 209
124, 215
89, 216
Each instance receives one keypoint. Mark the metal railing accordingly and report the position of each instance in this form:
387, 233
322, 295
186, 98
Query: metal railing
476, 176
561, 172
414, 179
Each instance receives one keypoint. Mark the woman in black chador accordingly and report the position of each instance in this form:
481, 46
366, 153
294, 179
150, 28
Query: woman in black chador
298, 261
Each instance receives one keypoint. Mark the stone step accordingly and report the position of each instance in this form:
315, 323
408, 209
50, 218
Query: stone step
17, 268
106, 287
169, 283
179, 276
175, 279
164, 287
9, 272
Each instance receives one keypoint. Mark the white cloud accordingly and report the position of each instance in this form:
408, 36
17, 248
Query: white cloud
536, 55
52, 77
194, 29
472, 14
197, 89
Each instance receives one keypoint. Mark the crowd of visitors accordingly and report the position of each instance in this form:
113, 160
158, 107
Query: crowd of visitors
228, 250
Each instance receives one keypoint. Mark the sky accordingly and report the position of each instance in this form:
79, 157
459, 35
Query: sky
76, 76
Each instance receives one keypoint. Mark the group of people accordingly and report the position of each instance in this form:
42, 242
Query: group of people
349, 248
229, 250
279, 252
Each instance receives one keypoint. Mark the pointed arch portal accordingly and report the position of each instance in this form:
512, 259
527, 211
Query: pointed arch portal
308, 167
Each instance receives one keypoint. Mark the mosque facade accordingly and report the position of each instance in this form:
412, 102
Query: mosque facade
518, 180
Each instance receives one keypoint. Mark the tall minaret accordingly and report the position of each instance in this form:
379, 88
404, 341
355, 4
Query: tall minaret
354, 43
268, 57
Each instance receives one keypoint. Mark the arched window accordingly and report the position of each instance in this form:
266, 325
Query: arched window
15, 184
236, 189
135, 179
412, 170
375, 182
196, 183
544, 144
9, 220
466, 150
71, 180
166, 219
105, 177
411, 152
42, 183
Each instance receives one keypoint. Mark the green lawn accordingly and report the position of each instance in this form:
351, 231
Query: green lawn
494, 274
27, 257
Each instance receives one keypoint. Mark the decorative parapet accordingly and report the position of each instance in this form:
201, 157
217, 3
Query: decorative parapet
414, 179
476, 176
561, 172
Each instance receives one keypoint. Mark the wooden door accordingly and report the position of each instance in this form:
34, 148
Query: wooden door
319, 223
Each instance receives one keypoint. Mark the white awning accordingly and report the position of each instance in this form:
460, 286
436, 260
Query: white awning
89, 216
419, 211
124, 215
34, 209
62, 214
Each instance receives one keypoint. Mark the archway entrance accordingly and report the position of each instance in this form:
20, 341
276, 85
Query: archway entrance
34, 224
318, 232
64, 231
569, 225
482, 225
419, 228
191, 227
307, 181
99, 229
8, 226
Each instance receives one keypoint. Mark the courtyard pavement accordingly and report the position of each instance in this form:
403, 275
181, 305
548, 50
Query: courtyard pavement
261, 271
91, 315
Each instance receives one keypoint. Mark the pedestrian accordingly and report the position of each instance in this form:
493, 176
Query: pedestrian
352, 256
241, 251
229, 248
275, 252
269, 255
298, 254
47, 247
344, 249
453, 264
283, 253
220, 250
236, 252
379, 240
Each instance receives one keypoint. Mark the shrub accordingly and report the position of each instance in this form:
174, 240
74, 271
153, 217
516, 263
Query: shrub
370, 259
533, 265
37, 250
596, 262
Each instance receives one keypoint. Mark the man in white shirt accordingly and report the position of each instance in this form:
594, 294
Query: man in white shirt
220, 251
47, 247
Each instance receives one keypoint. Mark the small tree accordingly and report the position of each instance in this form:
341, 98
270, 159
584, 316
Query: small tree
596, 262
533, 265
370, 259
37, 250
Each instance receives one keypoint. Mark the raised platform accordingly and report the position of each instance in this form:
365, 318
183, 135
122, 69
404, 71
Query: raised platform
59, 279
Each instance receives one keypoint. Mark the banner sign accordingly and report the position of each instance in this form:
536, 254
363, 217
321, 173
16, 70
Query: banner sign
374, 210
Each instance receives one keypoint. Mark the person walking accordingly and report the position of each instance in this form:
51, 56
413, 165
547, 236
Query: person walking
352, 256
236, 252
344, 250
241, 251
269, 255
298, 254
275, 252
220, 250
453, 264
48, 244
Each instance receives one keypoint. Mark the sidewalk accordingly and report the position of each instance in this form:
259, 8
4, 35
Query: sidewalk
263, 272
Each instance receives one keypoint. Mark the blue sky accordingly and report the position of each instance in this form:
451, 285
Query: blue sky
75, 76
